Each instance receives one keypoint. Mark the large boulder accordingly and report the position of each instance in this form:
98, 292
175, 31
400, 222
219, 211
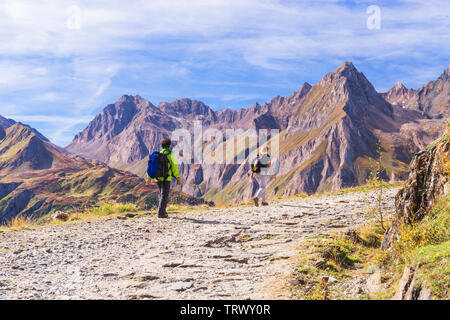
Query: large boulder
59, 215
428, 181
409, 288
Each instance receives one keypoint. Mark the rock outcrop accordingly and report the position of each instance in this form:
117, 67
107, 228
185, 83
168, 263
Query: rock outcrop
410, 288
428, 180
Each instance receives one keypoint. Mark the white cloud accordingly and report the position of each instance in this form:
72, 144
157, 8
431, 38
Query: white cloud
103, 87
49, 119
149, 41
14, 9
56, 128
49, 97
40, 27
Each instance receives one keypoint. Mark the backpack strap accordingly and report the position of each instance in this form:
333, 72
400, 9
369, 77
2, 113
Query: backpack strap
166, 154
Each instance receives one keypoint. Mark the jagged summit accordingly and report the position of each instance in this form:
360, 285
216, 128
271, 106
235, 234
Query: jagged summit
300, 93
398, 94
399, 86
349, 71
22, 148
305, 85
347, 81
346, 68
186, 106
345, 90
5, 123
432, 100
446, 74
345, 71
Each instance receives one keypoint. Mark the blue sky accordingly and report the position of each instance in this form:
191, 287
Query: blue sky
62, 61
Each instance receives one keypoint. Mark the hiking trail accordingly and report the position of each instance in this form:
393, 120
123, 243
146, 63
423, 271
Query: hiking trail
232, 253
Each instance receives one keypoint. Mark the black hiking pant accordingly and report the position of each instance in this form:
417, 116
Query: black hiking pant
164, 191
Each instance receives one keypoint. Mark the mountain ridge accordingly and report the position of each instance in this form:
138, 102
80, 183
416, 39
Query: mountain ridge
37, 177
328, 134
432, 99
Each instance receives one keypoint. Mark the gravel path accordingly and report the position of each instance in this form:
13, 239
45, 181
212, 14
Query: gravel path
214, 254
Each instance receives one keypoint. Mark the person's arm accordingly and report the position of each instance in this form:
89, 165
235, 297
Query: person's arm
273, 172
253, 174
174, 165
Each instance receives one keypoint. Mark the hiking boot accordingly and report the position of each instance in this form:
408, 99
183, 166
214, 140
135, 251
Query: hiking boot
265, 204
256, 201
163, 216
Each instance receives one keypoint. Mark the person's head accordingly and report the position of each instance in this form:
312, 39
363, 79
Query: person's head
166, 143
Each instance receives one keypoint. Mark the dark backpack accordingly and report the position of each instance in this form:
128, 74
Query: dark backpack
158, 165
256, 168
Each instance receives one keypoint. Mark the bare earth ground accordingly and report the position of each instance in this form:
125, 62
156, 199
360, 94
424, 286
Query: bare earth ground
237, 253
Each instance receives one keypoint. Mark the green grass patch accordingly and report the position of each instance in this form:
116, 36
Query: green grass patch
434, 268
113, 208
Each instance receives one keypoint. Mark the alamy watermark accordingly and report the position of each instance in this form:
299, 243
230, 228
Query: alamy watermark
214, 147
74, 18
374, 20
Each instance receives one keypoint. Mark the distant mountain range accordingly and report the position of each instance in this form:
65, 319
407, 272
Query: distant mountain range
328, 136
432, 100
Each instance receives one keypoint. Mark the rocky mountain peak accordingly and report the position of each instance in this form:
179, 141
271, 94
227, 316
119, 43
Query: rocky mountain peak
399, 86
283, 107
19, 132
186, 106
133, 102
430, 100
349, 88
305, 87
446, 74
22, 147
346, 69
397, 93
300, 93
25, 130
6, 123
346, 72
113, 119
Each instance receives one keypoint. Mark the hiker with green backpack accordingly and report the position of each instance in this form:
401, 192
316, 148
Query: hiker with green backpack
162, 166
262, 175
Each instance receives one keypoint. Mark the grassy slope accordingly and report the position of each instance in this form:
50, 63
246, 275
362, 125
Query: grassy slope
70, 185
426, 243
357, 255
388, 161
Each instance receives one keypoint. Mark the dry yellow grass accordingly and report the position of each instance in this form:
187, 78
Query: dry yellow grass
18, 223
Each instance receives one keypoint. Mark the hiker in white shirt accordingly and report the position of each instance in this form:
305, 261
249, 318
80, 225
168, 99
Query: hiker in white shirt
262, 172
